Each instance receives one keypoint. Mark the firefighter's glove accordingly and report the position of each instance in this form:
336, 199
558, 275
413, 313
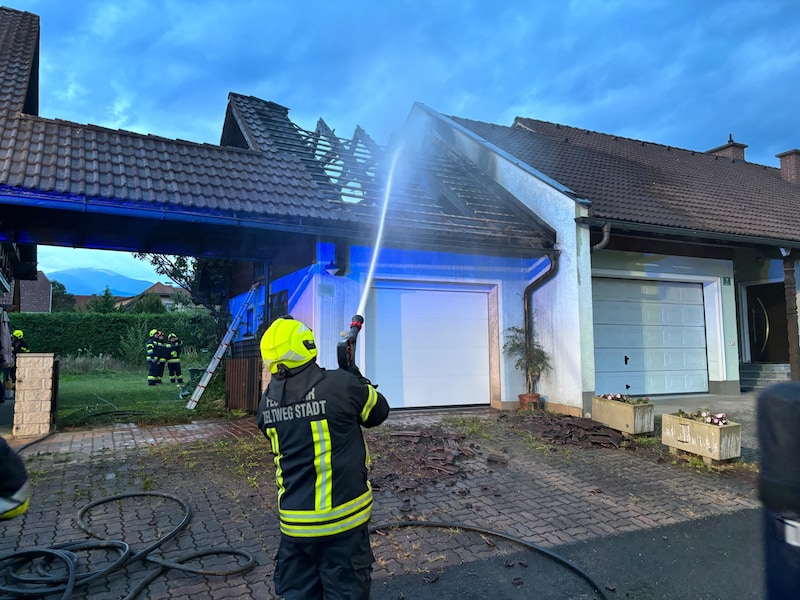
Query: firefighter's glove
357, 372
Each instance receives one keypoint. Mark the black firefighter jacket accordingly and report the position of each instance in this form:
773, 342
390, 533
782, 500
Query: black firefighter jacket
313, 419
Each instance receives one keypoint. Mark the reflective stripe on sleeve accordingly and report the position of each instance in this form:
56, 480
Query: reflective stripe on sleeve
372, 400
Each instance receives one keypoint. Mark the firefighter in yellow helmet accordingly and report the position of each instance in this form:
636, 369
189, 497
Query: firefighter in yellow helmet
18, 346
152, 358
312, 418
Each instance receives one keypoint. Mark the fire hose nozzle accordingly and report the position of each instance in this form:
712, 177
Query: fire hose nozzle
346, 348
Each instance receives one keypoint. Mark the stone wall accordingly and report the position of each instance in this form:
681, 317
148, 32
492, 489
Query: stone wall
33, 402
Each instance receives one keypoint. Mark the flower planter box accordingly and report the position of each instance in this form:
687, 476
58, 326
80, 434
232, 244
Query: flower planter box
712, 442
632, 419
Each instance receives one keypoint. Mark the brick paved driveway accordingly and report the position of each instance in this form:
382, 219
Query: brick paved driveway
546, 497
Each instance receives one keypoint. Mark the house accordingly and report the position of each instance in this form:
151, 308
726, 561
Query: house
163, 291
642, 268
24, 295
36, 295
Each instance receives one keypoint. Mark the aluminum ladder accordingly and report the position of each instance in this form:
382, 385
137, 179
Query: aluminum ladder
223, 347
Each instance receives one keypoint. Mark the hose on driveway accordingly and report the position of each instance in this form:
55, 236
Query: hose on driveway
34, 573
498, 534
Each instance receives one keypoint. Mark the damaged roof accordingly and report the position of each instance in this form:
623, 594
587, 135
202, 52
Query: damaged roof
436, 198
640, 184
71, 184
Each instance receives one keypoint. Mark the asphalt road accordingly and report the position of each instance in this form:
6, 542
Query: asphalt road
719, 558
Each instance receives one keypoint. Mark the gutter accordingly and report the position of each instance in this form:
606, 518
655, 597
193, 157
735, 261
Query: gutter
606, 237
702, 235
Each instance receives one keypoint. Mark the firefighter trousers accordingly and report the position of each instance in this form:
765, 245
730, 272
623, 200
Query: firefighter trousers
329, 568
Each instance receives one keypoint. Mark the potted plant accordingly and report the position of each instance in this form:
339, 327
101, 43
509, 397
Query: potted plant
530, 358
623, 412
706, 433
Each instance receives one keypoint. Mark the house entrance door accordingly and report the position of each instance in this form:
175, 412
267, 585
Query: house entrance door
766, 322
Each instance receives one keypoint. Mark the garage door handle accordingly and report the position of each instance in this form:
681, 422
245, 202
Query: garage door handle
627, 358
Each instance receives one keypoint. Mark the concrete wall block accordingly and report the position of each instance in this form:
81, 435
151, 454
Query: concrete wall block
31, 430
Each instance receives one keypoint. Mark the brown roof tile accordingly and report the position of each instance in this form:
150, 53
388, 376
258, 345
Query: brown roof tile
640, 182
19, 49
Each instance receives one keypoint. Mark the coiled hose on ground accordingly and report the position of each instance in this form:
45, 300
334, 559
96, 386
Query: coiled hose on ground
48, 581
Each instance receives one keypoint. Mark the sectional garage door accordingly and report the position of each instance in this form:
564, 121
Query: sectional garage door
429, 347
649, 337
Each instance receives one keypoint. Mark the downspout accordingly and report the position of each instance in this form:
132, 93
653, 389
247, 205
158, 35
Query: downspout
606, 229
532, 287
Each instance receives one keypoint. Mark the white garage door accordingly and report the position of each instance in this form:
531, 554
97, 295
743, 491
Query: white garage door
429, 347
649, 337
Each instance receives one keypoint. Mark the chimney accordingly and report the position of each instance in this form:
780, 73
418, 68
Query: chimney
790, 165
732, 149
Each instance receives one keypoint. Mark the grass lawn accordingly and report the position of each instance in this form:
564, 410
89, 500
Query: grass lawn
100, 398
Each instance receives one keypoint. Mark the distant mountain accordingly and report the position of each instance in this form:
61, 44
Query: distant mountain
84, 282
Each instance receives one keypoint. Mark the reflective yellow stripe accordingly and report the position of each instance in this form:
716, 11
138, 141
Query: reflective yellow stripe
372, 399
15, 512
337, 512
322, 527
323, 487
272, 434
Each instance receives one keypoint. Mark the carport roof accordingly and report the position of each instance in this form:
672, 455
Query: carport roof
641, 184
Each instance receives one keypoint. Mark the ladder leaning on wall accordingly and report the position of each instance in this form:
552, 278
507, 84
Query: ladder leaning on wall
223, 347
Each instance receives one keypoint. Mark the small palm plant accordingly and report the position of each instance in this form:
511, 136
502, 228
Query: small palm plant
529, 356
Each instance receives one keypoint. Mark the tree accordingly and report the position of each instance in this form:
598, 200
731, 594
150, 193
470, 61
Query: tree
61, 300
148, 303
102, 304
205, 279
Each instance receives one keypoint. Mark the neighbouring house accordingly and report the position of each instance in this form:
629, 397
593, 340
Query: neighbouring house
641, 268
163, 291
36, 295
28, 295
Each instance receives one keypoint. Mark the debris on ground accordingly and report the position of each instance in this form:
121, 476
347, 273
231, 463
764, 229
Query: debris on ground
565, 429
405, 460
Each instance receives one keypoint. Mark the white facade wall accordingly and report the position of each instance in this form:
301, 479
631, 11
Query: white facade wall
563, 305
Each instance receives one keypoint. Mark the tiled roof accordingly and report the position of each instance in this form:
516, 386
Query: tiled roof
64, 183
19, 51
436, 199
641, 183
35, 296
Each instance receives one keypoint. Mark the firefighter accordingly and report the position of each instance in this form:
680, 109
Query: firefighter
13, 483
152, 358
18, 346
312, 418
174, 348
161, 354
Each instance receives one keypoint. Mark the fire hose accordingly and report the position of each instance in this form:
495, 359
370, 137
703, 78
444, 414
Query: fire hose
498, 534
45, 580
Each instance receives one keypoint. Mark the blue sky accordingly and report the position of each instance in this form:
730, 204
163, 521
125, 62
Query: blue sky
684, 73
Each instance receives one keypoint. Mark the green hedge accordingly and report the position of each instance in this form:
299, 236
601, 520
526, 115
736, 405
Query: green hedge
121, 335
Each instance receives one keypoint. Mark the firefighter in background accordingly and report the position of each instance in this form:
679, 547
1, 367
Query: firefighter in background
18, 346
313, 419
13, 483
161, 353
174, 348
152, 358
